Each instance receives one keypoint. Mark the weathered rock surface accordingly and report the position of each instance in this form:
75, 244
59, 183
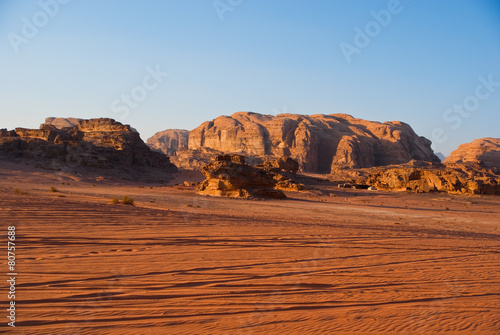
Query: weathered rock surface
96, 143
281, 164
194, 159
169, 141
319, 143
426, 177
483, 151
230, 176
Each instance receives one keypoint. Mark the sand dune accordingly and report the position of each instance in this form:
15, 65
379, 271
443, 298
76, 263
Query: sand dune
323, 262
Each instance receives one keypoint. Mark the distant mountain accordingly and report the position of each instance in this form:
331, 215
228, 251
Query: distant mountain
483, 151
441, 156
169, 141
320, 143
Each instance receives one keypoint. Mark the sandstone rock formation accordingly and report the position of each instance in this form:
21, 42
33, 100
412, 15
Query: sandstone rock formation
281, 164
194, 159
483, 151
169, 141
96, 143
319, 143
230, 176
427, 177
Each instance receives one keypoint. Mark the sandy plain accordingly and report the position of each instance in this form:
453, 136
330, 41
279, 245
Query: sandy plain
327, 261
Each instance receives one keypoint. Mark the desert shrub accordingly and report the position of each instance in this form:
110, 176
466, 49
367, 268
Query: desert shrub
115, 200
127, 200
20, 192
191, 205
53, 189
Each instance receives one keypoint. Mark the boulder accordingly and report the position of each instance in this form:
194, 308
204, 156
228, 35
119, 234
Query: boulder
230, 176
194, 159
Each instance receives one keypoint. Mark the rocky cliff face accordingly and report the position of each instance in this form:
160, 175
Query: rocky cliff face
96, 143
169, 141
319, 143
483, 151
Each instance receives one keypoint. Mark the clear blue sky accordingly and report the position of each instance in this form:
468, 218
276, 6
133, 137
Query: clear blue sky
85, 57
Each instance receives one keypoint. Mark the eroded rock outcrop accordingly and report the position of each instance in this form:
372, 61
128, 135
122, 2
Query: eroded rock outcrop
319, 143
194, 159
230, 176
483, 151
281, 164
424, 177
96, 143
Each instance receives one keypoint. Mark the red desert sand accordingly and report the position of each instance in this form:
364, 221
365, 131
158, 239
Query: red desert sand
328, 261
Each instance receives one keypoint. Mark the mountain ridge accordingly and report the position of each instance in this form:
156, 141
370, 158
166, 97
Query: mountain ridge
320, 143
